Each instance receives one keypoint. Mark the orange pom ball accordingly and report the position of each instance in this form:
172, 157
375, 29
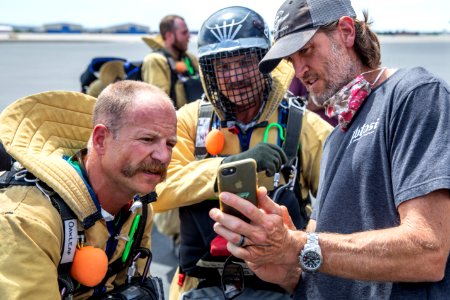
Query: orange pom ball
89, 265
180, 67
215, 141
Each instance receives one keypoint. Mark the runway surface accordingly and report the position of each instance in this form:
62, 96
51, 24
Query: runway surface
164, 261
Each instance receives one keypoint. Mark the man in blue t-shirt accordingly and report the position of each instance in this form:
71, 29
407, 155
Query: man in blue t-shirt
380, 227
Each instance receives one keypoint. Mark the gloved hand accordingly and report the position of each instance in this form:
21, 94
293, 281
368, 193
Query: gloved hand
268, 157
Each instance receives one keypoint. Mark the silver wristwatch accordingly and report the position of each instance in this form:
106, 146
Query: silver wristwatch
310, 257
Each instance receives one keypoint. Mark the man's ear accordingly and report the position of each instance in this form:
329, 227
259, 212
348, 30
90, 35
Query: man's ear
169, 37
99, 136
346, 27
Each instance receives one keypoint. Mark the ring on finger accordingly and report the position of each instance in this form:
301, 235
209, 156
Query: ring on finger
241, 241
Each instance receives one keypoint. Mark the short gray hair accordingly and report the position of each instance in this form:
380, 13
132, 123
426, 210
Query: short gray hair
117, 99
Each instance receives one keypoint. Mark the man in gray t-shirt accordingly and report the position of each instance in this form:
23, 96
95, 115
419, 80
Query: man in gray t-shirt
393, 151
380, 228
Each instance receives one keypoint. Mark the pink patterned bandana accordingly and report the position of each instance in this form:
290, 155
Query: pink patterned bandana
348, 100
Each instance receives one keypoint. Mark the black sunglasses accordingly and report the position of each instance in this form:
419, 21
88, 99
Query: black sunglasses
232, 278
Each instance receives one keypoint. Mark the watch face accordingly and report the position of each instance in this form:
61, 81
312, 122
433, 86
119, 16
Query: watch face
311, 260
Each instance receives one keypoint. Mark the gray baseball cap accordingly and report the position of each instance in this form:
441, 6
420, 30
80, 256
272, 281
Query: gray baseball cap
296, 22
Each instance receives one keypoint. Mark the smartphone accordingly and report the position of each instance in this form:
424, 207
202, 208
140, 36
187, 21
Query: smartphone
238, 177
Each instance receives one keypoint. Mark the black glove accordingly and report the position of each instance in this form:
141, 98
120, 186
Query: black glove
268, 157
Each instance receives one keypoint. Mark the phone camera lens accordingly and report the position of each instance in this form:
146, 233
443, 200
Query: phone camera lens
228, 171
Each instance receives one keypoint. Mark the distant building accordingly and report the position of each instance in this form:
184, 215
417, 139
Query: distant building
62, 28
127, 28
21, 28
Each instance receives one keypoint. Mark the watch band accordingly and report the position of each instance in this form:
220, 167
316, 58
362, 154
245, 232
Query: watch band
310, 258
312, 238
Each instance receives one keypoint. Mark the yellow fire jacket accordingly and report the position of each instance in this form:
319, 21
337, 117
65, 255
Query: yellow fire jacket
37, 131
155, 70
191, 181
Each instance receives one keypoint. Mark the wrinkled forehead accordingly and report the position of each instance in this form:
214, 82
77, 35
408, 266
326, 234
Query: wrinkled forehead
146, 105
147, 118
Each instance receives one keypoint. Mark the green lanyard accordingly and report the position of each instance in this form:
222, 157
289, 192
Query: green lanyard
190, 69
134, 226
280, 129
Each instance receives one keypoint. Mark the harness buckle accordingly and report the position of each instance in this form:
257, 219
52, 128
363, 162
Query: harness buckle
292, 173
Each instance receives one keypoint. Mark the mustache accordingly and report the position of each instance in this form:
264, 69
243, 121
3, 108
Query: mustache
153, 166
239, 84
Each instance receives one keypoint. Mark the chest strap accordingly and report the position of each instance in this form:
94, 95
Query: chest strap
293, 129
205, 115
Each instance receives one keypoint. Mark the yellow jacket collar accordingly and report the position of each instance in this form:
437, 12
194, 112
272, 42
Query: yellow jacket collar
155, 43
40, 129
281, 79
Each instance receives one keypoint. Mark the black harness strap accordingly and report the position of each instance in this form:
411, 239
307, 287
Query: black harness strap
293, 129
293, 168
205, 116
15, 177
6, 161
70, 240
173, 75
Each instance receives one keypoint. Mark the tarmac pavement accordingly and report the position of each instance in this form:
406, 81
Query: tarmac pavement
164, 261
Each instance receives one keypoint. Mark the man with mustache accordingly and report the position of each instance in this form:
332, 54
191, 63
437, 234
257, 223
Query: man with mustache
380, 229
129, 133
241, 105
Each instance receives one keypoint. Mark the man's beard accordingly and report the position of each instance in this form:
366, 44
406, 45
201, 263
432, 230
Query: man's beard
181, 48
152, 166
341, 70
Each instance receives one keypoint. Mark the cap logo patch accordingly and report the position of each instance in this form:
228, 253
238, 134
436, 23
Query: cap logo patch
279, 18
227, 31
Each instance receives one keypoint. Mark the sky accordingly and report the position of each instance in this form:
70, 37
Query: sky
387, 15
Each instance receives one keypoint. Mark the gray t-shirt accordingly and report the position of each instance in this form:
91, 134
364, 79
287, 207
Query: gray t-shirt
396, 149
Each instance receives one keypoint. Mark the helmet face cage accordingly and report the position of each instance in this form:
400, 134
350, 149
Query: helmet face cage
231, 43
233, 81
